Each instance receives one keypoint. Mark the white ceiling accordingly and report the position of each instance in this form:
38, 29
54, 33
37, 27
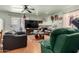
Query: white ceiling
40, 9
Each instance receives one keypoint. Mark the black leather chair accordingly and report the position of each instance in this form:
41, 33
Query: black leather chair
11, 41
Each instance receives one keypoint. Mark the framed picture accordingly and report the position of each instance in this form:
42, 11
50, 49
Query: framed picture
71, 19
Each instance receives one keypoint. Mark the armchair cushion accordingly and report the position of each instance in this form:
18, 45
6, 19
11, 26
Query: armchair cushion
67, 43
58, 32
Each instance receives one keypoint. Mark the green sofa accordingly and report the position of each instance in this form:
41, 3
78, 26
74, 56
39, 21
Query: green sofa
64, 40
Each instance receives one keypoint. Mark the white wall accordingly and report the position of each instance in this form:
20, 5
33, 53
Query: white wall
6, 16
6, 20
48, 21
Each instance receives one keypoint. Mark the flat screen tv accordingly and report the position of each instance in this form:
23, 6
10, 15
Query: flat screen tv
31, 24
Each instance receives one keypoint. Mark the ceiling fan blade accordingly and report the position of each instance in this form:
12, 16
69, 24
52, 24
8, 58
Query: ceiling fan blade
29, 11
32, 9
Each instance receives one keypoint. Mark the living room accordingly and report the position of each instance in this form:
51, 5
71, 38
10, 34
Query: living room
28, 28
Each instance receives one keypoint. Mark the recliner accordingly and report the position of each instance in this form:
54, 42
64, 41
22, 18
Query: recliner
55, 37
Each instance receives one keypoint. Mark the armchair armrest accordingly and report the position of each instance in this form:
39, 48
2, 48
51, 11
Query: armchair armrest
45, 46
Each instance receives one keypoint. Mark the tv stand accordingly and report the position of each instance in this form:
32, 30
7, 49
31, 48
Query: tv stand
30, 30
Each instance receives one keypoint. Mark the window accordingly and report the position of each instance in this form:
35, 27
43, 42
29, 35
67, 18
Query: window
1, 25
17, 24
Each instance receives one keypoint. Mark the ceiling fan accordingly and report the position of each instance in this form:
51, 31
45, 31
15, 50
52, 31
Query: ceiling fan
27, 8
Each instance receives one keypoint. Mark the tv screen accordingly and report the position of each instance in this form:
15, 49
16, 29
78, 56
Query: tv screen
31, 24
